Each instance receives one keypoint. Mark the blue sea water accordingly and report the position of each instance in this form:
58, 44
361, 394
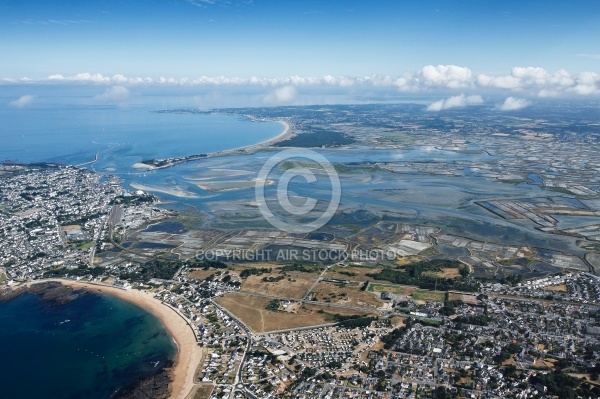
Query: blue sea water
87, 348
121, 135
69, 126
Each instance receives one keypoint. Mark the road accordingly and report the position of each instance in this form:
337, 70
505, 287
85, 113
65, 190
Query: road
238, 376
316, 282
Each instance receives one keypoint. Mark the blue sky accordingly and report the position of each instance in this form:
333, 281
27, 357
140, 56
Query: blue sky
261, 41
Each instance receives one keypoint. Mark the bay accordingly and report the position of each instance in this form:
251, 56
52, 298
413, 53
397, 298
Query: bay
92, 346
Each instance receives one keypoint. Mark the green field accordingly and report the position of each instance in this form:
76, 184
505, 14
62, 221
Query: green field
416, 293
84, 245
394, 289
429, 296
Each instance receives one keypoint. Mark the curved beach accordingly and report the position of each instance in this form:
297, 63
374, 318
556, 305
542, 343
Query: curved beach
189, 354
284, 135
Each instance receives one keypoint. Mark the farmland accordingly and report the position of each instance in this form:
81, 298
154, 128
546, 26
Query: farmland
278, 282
346, 294
251, 310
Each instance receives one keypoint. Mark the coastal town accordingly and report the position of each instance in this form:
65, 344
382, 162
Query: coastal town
338, 325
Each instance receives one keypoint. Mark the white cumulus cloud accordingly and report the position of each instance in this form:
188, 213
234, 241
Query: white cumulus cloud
513, 104
22, 101
113, 95
450, 76
543, 83
282, 95
527, 80
455, 102
587, 83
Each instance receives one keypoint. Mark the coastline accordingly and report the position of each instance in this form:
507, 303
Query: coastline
189, 354
176, 192
284, 135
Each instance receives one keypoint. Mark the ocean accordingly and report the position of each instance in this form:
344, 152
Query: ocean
121, 136
69, 126
88, 348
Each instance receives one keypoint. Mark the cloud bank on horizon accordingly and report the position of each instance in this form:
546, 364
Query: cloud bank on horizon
285, 49
529, 81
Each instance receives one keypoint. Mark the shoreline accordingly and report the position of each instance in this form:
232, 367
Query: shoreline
189, 354
176, 192
284, 135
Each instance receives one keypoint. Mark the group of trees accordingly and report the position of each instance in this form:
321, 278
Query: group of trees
212, 264
449, 307
478, 320
564, 386
81, 270
413, 274
317, 138
506, 352
273, 305
272, 279
355, 322
155, 268
132, 199
389, 340
296, 267
254, 271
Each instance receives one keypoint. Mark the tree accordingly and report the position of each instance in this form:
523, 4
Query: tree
441, 393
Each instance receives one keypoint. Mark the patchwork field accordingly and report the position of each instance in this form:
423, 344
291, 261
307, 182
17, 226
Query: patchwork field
202, 391
559, 288
352, 273
393, 288
429, 296
398, 321
201, 274
466, 298
290, 284
447, 272
416, 293
455, 296
343, 294
252, 311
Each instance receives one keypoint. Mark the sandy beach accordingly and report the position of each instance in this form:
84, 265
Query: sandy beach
189, 354
139, 165
284, 135
174, 191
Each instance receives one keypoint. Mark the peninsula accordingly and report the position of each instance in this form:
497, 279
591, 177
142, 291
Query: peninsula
152, 164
